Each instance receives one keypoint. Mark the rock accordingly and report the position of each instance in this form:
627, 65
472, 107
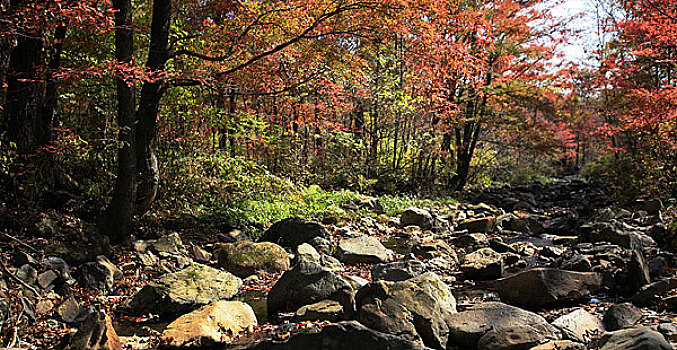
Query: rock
652, 206
541, 286
99, 275
170, 243
640, 338
140, 246
578, 263
200, 254
148, 259
244, 258
307, 252
501, 247
47, 278
371, 203
413, 309
43, 307
514, 337
668, 330
185, 290
579, 326
325, 310
363, 249
467, 327
550, 252
397, 271
59, 265
650, 294
434, 249
621, 316
560, 345
341, 336
638, 270
523, 224
304, 284
69, 310
292, 232
417, 217
21, 258
28, 274
480, 225
209, 325
471, 240
483, 264
95, 333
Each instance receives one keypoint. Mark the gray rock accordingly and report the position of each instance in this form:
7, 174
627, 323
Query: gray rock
467, 327
292, 232
578, 263
650, 294
304, 284
244, 258
397, 271
27, 274
59, 265
417, 217
471, 240
185, 290
325, 310
69, 311
340, 336
99, 275
47, 278
479, 225
539, 287
621, 316
668, 330
640, 338
363, 249
483, 264
579, 326
170, 243
95, 333
413, 309
638, 270
515, 337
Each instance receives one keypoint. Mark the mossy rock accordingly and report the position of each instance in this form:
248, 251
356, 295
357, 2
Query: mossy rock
245, 258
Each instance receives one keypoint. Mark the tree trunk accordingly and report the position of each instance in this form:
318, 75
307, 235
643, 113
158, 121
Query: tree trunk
116, 222
151, 94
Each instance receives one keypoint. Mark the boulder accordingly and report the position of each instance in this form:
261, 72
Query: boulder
479, 225
397, 271
209, 325
514, 337
542, 286
579, 326
417, 217
621, 316
638, 270
560, 345
325, 310
578, 263
640, 338
95, 333
185, 290
650, 294
244, 258
362, 249
304, 284
29, 274
467, 327
99, 275
471, 240
413, 309
483, 264
291, 232
340, 336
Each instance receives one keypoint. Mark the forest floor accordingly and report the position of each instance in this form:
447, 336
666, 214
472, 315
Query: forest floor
557, 263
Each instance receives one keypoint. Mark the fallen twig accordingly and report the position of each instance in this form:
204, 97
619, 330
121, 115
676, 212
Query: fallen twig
19, 241
17, 279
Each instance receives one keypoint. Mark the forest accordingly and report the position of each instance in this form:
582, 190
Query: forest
332, 174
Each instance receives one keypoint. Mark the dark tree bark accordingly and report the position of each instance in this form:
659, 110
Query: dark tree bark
151, 94
116, 222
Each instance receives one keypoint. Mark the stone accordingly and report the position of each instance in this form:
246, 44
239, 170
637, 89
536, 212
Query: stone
69, 310
170, 243
185, 290
140, 246
245, 258
371, 203
363, 249
652, 206
650, 294
542, 286
668, 330
307, 252
304, 284
483, 264
341, 336
434, 249
60, 266
397, 271
479, 225
578, 263
467, 327
619, 316
417, 217
200, 254
414, 309
638, 270
99, 275
560, 345
95, 333
21, 258
514, 337
148, 259
292, 232
579, 326
640, 338
28, 274
471, 240
324, 310
209, 325
47, 278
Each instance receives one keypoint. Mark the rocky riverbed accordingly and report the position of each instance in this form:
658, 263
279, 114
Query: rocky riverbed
537, 266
